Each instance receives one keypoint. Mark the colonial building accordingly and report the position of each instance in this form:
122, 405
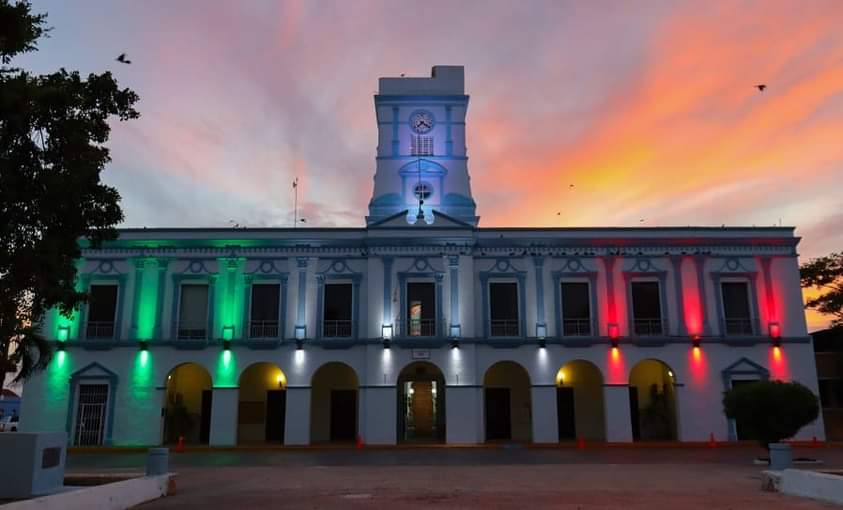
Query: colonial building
422, 325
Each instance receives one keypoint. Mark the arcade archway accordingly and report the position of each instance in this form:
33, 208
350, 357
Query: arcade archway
579, 402
187, 405
421, 403
261, 404
652, 401
333, 404
507, 403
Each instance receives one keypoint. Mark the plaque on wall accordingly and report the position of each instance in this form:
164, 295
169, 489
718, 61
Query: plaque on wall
421, 353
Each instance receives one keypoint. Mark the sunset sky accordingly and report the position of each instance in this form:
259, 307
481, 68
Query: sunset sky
651, 112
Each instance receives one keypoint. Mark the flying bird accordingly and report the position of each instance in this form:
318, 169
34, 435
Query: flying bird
761, 87
641, 220
559, 214
570, 185
122, 59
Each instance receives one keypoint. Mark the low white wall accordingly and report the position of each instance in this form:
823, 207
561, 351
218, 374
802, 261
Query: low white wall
811, 484
111, 496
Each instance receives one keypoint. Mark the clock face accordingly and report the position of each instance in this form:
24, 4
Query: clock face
421, 122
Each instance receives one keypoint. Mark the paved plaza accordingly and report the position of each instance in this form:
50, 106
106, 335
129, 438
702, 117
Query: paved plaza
631, 478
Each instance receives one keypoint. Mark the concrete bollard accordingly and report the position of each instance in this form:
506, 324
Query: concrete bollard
157, 461
781, 456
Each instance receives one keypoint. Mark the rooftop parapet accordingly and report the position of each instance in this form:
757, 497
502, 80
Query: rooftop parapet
443, 81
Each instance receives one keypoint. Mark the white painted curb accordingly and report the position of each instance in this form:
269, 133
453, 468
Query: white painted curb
808, 484
110, 496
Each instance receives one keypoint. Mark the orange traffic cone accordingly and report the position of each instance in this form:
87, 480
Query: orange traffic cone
711, 442
359, 443
180, 445
581, 443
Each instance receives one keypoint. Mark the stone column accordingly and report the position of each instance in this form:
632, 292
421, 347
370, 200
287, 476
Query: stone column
463, 414
618, 418
545, 422
224, 417
297, 416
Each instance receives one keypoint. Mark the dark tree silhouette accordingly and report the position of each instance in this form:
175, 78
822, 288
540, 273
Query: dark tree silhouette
826, 274
52, 133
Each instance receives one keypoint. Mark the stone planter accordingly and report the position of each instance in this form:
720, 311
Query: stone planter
781, 456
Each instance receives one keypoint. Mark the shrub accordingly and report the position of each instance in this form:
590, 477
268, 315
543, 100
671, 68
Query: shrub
771, 410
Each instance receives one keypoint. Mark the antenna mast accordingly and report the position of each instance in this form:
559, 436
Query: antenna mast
296, 203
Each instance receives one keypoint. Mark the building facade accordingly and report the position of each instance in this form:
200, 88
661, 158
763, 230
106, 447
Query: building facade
422, 326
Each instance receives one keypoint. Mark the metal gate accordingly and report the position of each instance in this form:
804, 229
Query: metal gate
90, 414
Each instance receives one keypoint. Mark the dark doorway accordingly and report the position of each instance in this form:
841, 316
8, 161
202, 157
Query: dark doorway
276, 404
498, 422
565, 413
503, 309
421, 309
421, 404
742, 432
102, 306
336, 318
633, 413
205, 419
343, 415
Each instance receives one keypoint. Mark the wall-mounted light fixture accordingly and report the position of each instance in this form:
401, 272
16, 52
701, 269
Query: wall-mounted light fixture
455, 343
226, 345
695, 341
144, 345
614, 333
541, 331
454, 331
301, 332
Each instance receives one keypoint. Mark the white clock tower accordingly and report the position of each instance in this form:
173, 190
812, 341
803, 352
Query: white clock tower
422, 163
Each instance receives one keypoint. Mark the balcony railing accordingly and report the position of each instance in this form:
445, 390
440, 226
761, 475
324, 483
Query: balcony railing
99, 329
192, 331
504, 327
263, 329
739, 327
649, 327
576, 327
337, 328
420, 327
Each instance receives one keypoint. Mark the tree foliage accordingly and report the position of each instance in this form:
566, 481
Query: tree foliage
52, 133
771, 410
826, 274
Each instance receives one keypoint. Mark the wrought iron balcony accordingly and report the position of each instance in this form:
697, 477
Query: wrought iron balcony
576, 327
96, 330
192, 331
740, 327
337, 328
649, 327
263, 329
504, 327
419, 327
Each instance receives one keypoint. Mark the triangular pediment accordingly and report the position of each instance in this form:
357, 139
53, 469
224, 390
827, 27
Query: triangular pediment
746, 366
93, 370
399, 220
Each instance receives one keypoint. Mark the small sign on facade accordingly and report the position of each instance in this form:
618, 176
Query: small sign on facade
421, 353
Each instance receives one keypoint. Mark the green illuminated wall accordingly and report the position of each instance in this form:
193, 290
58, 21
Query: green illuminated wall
226, 376
229, 297
146, 299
